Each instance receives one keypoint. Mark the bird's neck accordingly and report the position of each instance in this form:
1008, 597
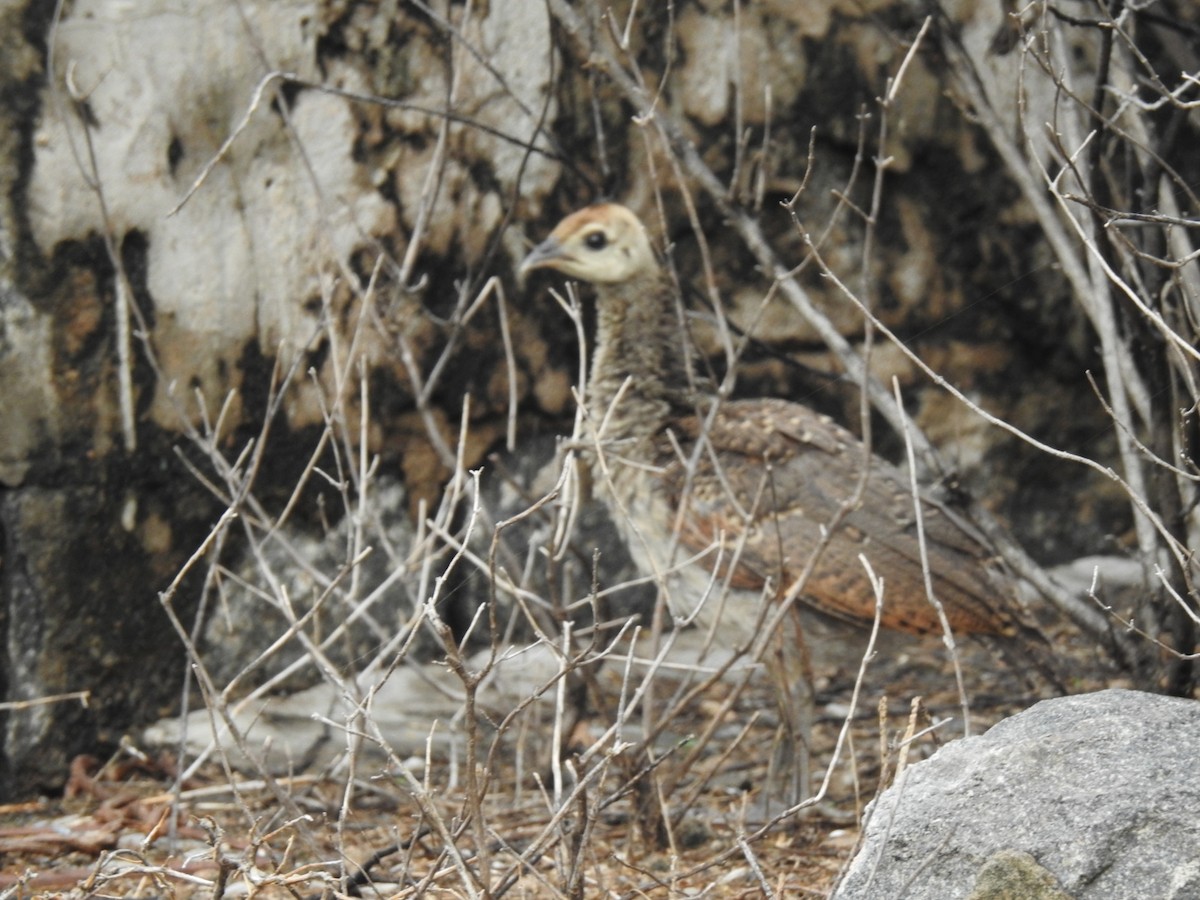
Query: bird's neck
639, 376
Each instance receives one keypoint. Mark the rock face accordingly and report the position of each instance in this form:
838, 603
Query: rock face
228, 231
1090, 797
153, 275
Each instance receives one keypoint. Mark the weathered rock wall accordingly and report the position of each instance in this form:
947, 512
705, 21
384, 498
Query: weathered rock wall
201, 199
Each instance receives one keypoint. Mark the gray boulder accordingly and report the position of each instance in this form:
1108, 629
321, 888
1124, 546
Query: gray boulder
1090, 797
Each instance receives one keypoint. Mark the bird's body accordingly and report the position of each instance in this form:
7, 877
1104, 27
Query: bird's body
728, 501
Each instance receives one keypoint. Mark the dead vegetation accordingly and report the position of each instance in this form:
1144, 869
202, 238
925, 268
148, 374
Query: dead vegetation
620, 772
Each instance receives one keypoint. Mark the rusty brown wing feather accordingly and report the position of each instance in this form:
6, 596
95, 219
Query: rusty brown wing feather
769, 475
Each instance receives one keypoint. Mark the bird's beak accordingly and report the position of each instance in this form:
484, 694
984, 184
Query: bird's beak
547, 253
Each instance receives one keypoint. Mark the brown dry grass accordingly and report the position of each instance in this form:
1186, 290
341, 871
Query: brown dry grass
123, 832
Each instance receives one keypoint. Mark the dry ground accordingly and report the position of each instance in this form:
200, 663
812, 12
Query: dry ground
121, 831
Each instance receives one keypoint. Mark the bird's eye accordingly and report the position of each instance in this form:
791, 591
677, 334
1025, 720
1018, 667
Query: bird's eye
597, 240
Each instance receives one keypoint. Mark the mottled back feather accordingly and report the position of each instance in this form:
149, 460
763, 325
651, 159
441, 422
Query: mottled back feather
781, 473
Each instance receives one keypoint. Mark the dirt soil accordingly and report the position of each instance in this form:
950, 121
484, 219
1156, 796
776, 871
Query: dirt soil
125, 829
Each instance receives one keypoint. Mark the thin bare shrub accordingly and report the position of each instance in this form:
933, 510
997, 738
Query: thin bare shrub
559, 777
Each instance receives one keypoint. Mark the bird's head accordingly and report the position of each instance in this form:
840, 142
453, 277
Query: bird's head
602, 244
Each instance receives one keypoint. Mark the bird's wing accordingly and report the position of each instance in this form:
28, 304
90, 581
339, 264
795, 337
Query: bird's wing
769, 479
